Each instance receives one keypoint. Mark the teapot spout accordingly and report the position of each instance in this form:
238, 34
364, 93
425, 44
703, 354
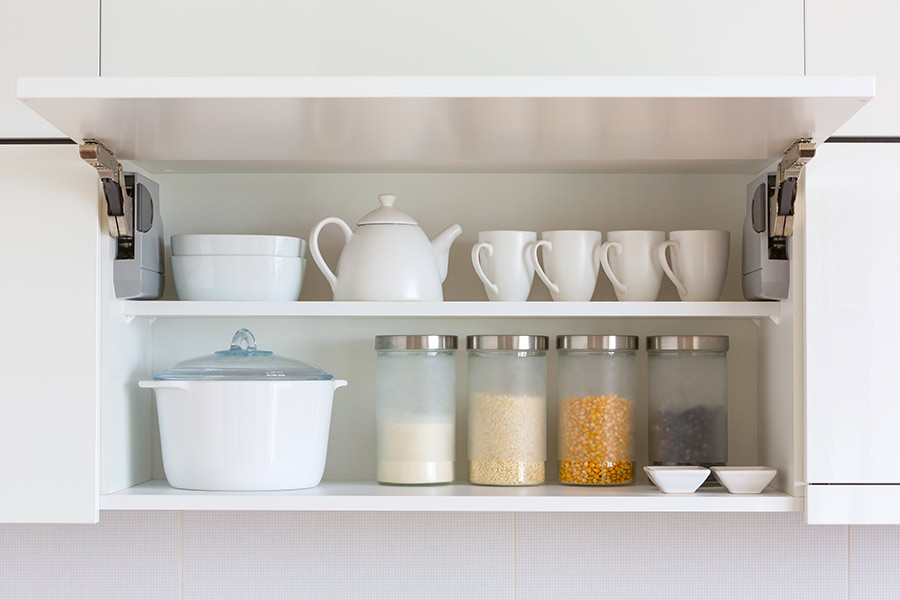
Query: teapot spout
441, 246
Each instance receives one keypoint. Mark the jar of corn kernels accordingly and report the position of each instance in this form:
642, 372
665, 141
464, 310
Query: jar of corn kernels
597, 379
507, 409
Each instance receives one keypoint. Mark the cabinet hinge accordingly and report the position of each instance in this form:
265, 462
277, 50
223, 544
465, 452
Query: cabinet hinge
132, 209
781, 210
112, 179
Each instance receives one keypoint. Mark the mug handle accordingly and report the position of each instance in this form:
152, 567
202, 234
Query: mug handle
476, 262
604, 261
533, 251
682, 291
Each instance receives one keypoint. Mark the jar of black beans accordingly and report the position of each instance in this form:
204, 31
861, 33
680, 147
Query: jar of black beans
688, 399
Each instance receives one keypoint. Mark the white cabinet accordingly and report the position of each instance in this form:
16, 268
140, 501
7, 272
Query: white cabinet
858, 38
43, 38
463, 37
531, 153
50, 258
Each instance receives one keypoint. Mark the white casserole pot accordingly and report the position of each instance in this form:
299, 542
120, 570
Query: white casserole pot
244, 419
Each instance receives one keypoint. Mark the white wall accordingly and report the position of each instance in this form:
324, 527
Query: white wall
495, 556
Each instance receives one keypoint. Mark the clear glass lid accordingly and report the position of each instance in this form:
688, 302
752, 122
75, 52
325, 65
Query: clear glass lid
243, 362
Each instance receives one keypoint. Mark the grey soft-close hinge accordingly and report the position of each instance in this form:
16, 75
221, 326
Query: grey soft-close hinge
132, 209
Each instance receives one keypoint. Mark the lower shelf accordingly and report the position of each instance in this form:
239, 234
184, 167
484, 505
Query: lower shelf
371, 496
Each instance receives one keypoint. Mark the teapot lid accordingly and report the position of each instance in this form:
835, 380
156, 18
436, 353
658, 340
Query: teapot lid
387, 214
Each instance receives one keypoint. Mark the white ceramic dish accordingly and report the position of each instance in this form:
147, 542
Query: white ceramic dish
263, 278
677, 480
199, 244
244, 435
744, 480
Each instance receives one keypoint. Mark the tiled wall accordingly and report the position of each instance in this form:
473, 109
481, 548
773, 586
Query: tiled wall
495, 556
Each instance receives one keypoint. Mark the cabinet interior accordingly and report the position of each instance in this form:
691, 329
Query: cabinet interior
763, 400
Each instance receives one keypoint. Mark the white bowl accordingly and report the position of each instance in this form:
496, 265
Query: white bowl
744, 480
265, 278
677, 480
199, 244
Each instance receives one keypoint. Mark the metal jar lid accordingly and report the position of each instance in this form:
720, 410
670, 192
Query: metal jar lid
709, 343
507, 342
416, 342
597, 342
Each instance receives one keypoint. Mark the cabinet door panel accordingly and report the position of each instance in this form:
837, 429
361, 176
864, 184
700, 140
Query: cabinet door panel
43, 38
858, 38
48, 358
852, 316
463, 37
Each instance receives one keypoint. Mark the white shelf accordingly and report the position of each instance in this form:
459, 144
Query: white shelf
469, 124
727, 310
370, 496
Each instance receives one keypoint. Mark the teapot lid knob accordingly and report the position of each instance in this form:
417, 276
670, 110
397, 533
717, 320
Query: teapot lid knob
386, 214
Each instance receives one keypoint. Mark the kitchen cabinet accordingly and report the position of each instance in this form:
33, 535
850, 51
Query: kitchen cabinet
275, 155
464, 37
47, 38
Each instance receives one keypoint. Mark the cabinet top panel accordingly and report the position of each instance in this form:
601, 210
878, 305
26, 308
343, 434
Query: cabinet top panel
449, 124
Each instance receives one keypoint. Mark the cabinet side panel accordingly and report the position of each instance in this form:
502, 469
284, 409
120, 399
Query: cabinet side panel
124, 407
48, 407
851, 317
465, 37
781, 366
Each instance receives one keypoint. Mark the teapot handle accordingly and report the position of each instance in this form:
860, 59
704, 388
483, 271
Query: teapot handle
314, 247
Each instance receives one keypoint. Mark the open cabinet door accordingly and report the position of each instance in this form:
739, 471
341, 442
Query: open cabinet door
852, 331
49, 257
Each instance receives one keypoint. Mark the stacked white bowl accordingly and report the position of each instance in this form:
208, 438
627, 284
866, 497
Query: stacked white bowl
238, 267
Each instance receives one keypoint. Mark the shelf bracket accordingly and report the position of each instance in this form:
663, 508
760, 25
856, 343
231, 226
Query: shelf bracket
781, 209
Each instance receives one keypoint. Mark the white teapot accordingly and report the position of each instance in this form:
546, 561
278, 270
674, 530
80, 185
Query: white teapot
387, 258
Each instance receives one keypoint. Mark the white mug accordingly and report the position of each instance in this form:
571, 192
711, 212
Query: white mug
571, 263
699, 263
504, 266
629, 259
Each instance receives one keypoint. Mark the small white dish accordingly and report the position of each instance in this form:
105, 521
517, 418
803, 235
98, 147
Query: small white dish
236, 278
677, 480
216, 244
744, 480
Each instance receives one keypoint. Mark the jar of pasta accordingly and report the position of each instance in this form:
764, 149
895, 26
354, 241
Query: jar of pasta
507, 409
597, 379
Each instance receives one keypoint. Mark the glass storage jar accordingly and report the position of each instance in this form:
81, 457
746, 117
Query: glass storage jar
507, 409
688, 399
597, 381
415, 408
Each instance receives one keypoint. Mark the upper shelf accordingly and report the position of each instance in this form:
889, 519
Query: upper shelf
721, 310
449, 124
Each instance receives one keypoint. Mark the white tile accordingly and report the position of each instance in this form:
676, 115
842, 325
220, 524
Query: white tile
874, 562
127, 555
678, 555
347, 555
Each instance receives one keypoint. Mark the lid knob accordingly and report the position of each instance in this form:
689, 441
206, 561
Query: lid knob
243, 340
387, 199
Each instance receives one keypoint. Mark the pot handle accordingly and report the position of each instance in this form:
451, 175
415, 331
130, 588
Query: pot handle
339, 383
157, 384
314, 247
